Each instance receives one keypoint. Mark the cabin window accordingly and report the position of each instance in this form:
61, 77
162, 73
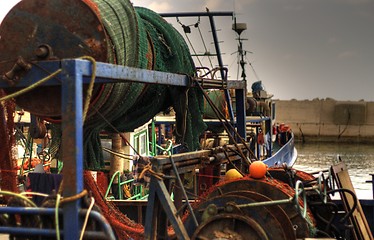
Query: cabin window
141, 142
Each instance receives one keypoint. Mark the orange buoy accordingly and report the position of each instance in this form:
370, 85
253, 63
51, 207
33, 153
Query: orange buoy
257, 169
232, 174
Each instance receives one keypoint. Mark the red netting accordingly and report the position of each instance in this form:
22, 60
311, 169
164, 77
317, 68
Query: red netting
124, 227
8, 174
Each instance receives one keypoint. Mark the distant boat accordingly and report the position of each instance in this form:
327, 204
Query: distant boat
272, 142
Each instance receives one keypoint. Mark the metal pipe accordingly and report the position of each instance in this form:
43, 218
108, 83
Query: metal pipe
220, 63
111, 182
183, 191
52, 232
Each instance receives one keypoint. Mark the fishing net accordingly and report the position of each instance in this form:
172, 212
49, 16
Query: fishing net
124, 227
136, 37
8, 180
141, 38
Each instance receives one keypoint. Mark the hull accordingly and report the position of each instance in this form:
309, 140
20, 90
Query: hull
287, 154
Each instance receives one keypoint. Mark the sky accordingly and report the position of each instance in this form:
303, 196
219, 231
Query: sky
299, 49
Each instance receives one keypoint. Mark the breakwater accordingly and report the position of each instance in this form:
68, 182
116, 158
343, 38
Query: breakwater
328, 119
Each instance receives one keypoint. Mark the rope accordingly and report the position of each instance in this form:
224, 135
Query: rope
148, 168
90, 86
57, 224
118, 154
75, 197
86, 218
31, 87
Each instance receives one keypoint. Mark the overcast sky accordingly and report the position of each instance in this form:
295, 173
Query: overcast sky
302, 49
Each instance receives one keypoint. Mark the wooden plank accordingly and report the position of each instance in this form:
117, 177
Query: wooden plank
358, 219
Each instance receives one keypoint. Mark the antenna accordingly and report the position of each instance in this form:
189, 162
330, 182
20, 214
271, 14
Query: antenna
239, 28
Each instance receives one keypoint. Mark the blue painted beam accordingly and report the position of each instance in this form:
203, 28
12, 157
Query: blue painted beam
106, 73
72, 145
106, 233
160, 197
220, 63
240, 96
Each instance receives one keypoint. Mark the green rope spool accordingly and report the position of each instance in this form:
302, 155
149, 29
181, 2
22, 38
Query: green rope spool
112, 31
157, 46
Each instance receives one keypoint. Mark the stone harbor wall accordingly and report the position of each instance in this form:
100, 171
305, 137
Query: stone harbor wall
328, 119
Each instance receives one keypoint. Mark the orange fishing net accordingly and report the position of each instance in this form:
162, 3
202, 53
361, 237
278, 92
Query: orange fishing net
8, 174
124, 227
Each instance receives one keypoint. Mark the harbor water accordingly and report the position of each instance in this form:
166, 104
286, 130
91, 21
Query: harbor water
359, 159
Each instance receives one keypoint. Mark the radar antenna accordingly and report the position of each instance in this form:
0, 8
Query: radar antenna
239, 28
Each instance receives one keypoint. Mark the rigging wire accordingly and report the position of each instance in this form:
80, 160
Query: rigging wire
115, 129
202, 39
253, 69
187, 29
238, 68
193, 49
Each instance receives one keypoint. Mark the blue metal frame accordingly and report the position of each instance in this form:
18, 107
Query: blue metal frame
240, 96
108, 233
72, 143
75, 73
159, 192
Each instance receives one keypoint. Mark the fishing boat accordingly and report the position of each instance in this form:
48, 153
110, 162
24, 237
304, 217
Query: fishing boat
271, 142
134, 66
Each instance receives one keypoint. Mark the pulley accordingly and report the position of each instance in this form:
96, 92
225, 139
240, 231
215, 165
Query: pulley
273, 190
48, 30
253, 221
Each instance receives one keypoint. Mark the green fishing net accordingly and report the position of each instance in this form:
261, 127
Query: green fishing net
138, 37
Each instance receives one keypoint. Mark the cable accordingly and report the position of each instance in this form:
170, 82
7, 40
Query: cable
32, 204
202, 39
187, 29
86, 218
116, 130
193, 49
354, 198
346, 125
34, 194
253, 69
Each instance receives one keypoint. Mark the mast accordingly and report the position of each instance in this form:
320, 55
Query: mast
239, 28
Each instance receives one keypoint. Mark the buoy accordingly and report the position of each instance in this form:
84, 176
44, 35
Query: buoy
232, 174
257, 169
